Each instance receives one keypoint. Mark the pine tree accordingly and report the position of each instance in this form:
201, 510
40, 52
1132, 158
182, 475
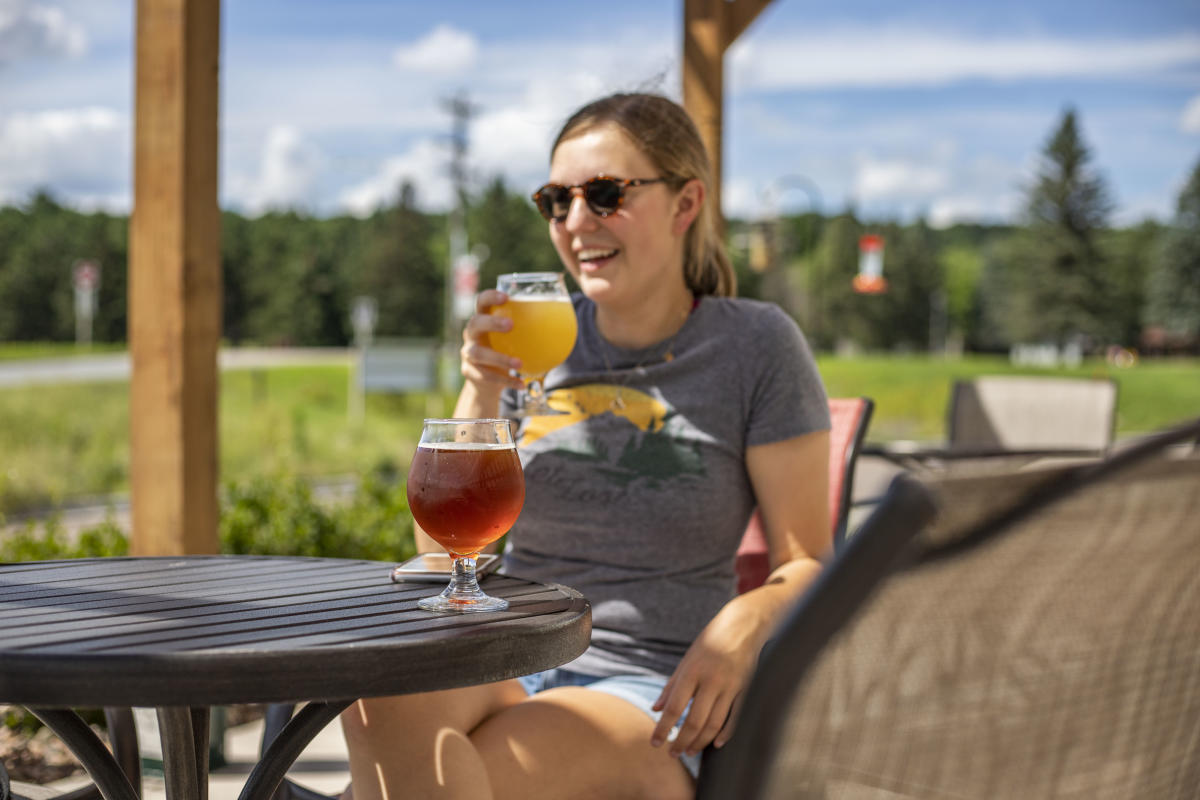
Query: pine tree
1173, 293
1057, 269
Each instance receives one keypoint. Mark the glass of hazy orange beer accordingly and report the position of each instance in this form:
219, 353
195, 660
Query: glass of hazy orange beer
543, 331
465, 489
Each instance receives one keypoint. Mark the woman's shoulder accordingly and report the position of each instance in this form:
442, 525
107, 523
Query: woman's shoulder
748, 315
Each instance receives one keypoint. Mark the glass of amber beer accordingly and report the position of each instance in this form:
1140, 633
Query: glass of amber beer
465, 489
543, 331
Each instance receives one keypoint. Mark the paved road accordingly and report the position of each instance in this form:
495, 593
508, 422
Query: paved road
115, 367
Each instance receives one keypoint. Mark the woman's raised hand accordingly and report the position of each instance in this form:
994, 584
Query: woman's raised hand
480, 363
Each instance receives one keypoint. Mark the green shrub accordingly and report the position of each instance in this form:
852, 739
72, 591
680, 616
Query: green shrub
261, 516
30, 544
280, 516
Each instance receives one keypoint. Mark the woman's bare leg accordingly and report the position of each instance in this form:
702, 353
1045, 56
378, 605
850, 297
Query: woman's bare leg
494, 743
577, 743
417, 745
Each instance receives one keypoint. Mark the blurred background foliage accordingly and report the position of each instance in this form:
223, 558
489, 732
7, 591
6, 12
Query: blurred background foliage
1062, 273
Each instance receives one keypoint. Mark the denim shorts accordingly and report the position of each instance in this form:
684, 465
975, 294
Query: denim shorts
641, 690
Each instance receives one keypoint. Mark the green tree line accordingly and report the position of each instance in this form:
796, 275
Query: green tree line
1061, 273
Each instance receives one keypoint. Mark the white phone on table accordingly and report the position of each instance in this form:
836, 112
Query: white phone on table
436, 567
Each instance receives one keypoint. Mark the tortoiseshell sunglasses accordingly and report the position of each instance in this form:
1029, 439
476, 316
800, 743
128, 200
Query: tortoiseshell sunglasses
603, 195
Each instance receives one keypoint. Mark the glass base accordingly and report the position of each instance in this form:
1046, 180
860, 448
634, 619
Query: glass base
460, 603
462, 595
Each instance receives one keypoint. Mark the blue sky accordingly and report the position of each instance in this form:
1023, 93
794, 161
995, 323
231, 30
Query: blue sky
931, 108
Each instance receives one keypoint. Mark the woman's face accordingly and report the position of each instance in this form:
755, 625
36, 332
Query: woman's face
633, 255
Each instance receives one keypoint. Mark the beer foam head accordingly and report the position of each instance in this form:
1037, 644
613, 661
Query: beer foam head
467, 446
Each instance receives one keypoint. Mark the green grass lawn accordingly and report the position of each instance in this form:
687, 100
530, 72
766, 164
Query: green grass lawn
12, 351
62, 442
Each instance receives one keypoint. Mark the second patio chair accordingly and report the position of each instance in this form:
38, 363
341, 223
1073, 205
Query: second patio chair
1026, 413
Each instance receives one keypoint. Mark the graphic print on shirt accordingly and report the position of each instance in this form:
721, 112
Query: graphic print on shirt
653, 450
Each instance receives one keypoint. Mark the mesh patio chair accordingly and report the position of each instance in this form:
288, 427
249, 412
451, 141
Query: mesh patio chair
1022, 412
849, 418
1005, 421
1040, 639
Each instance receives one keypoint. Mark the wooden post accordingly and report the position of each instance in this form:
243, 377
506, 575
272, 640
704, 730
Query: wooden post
709, 28
175, 279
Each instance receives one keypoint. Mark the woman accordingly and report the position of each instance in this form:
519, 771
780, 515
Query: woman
683, 409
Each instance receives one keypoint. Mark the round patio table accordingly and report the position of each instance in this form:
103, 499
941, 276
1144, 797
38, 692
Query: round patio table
183, 634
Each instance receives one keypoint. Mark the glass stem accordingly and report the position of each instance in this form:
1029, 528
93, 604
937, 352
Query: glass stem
534, 391
464, 576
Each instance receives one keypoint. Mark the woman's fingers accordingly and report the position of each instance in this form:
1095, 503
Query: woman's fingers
704, 720
731, 722
479, 361
488, 298
672, 703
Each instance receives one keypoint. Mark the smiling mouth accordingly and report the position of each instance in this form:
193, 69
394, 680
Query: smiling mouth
593, 255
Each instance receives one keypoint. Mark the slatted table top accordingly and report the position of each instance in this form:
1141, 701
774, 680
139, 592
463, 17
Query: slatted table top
218, 630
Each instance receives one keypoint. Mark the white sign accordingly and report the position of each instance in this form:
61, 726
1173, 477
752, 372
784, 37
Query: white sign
86, 275
466, 283
362, 317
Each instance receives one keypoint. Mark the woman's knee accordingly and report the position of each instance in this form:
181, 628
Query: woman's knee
372, 718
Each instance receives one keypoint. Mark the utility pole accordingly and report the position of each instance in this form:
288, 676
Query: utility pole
460, 110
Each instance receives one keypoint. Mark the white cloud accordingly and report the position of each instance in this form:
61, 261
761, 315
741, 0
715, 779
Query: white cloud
889, 57
518, 110
984, 207
286, 175
445, 50
1189, 121
424, 166
83, 152
30, 30
740, 199
897, 178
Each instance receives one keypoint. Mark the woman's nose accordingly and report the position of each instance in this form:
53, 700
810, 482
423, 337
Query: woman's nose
578, 214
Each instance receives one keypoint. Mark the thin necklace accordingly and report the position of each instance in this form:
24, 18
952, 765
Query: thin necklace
666, 355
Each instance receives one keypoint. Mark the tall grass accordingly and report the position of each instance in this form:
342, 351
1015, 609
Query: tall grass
60, 443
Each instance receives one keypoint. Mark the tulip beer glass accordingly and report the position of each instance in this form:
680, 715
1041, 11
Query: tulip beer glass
543, 331
465, 489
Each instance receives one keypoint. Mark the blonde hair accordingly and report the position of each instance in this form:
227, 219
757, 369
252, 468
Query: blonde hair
666, 134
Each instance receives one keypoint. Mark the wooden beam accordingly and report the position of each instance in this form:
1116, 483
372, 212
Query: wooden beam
709, 28
703, 78
738, 16
175, 279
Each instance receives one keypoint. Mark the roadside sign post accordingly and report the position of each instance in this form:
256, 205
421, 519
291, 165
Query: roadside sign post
466, 284
363, 316
85, 276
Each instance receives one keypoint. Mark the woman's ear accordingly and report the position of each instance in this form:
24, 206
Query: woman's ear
688, 202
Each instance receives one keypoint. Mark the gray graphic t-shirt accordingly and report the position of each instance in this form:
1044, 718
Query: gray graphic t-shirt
637, 495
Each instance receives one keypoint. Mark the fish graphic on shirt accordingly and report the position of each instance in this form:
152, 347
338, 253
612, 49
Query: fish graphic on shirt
650, 452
